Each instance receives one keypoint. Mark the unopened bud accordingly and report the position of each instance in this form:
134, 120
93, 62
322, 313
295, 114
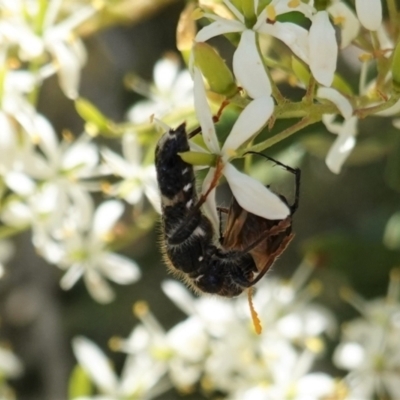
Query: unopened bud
301, 71
198, 158
218, 75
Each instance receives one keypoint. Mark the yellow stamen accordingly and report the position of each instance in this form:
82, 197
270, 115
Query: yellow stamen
115, 343
365, 57
67, 135
253, 312
339, 20
140, 309
105, 187
315, 345
271, 12
294, 3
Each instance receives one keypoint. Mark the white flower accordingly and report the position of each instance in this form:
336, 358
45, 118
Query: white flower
85, 254
313, 386
10, 365
138, 179
140, 377
51, 179
217, 345
346, 20
370, 348
181, 350
345, 131
343, 145
249, 193
306, 45
19, 26
369, 12
323, 48
173, 89
218, 340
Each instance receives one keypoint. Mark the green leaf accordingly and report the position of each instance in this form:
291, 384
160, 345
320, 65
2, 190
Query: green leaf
295, 17
79, 383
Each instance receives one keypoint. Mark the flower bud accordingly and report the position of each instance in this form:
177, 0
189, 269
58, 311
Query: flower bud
213, 67
198, 158
300, 70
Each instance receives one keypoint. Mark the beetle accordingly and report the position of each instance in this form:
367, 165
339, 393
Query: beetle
246, 250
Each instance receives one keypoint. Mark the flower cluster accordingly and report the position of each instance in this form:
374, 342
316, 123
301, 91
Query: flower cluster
370, 348
217, 347
75, 194
49, 182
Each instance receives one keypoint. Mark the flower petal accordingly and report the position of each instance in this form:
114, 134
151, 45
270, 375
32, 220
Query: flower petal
119, 269
248, 67
71, 276
342, 146
179, 295
219, 27
95, 363
369, 13
82, 156
344, 106
323, 49
131, 148
250, 121
69, 68
165, 73
106, 216
203, 113
10, 365
115, 163
97, 287
20, 183
294, 36
254, 197
330, 124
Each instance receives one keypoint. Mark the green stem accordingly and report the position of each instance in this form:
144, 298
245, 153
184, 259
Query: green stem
364, 112
393, 15
309, 96
259, 147
300, 110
